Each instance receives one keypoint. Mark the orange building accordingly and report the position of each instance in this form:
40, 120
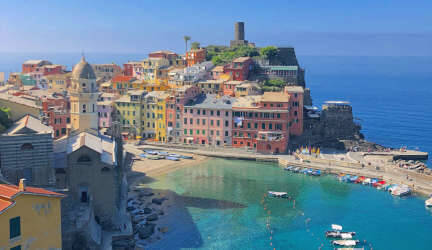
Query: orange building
195, 56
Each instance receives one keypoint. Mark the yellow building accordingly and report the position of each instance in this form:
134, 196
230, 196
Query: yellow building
58, 82
149, 87
161, 134
130, 113
30, 218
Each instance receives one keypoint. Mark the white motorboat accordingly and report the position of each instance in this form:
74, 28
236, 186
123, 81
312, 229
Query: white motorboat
336, 227
278, 194
346, 243
428, 202
401, 191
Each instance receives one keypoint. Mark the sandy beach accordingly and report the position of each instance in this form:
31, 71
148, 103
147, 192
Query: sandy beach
157, 214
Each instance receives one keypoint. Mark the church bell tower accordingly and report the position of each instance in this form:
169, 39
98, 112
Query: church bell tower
83, 98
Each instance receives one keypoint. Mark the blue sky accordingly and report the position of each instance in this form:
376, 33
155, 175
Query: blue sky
367, 27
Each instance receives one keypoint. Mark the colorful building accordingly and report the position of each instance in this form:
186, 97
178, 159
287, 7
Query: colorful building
153, 70
229, 87
195, 56
261, 122
296, 94
122, 84
174, 111
174, 59
247, 88
128, 68
30, 218
211, 86
105, 107
130, 113
208, 121
31, 65
239, 68
161, 129
105, 72
217, 72
58, 82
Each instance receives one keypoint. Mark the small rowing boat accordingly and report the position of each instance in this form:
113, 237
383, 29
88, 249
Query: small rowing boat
172, 158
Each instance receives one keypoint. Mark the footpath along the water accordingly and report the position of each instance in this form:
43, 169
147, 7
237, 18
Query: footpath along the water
419, 183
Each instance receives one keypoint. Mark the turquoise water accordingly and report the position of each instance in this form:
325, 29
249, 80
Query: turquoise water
235, 217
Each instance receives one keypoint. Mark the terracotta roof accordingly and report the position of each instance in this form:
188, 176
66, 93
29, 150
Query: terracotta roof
4, 204
241, 59
275, 97
122, 78
218, 69
11, 191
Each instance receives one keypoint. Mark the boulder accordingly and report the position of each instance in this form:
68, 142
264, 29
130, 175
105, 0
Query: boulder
147, 210
146, 230
158, 201
152, 217
130, 208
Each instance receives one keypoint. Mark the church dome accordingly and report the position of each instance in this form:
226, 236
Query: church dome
83, 70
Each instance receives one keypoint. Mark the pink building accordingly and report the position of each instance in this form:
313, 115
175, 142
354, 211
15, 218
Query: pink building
296, 94
105, 109
208, 121
174, 110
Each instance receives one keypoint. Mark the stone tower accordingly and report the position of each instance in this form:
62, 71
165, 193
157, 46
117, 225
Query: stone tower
83, 98
239, 36
239, 33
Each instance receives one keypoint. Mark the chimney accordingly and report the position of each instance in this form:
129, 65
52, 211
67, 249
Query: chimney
22, 185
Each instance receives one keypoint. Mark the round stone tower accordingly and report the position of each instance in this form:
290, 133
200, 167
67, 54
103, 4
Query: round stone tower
239, 33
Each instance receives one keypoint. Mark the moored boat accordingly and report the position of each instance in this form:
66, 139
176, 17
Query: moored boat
366, 181
347, 243
154, 157
175, 155
353, 178
401, 191
163, 153
360, 179
316, 172
296, 170
289, 168
428, 202
379, 184
339, 234
278, 194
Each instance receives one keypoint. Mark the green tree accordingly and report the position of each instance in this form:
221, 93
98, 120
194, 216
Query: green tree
186, 39
195, 45
5, 121
269, 52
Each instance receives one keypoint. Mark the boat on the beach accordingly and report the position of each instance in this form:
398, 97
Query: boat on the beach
345, 178
428, 202
373, 181
346, 243
143, 155
289, 168
296, 170
391, 187
172, 158
163, 153
188, 157
155, 157
278, 194
150, 152
175, 155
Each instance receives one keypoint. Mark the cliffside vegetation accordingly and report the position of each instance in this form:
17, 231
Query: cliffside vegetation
5, 121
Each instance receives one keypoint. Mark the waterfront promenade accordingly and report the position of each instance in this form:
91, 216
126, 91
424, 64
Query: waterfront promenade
356, 163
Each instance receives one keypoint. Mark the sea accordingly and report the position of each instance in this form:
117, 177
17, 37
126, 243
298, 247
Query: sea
391, 98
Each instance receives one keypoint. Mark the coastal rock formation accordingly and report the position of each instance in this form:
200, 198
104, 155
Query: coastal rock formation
146, 231
152, 217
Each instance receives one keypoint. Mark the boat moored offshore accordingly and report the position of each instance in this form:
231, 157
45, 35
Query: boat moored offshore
346, 243
428, 202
